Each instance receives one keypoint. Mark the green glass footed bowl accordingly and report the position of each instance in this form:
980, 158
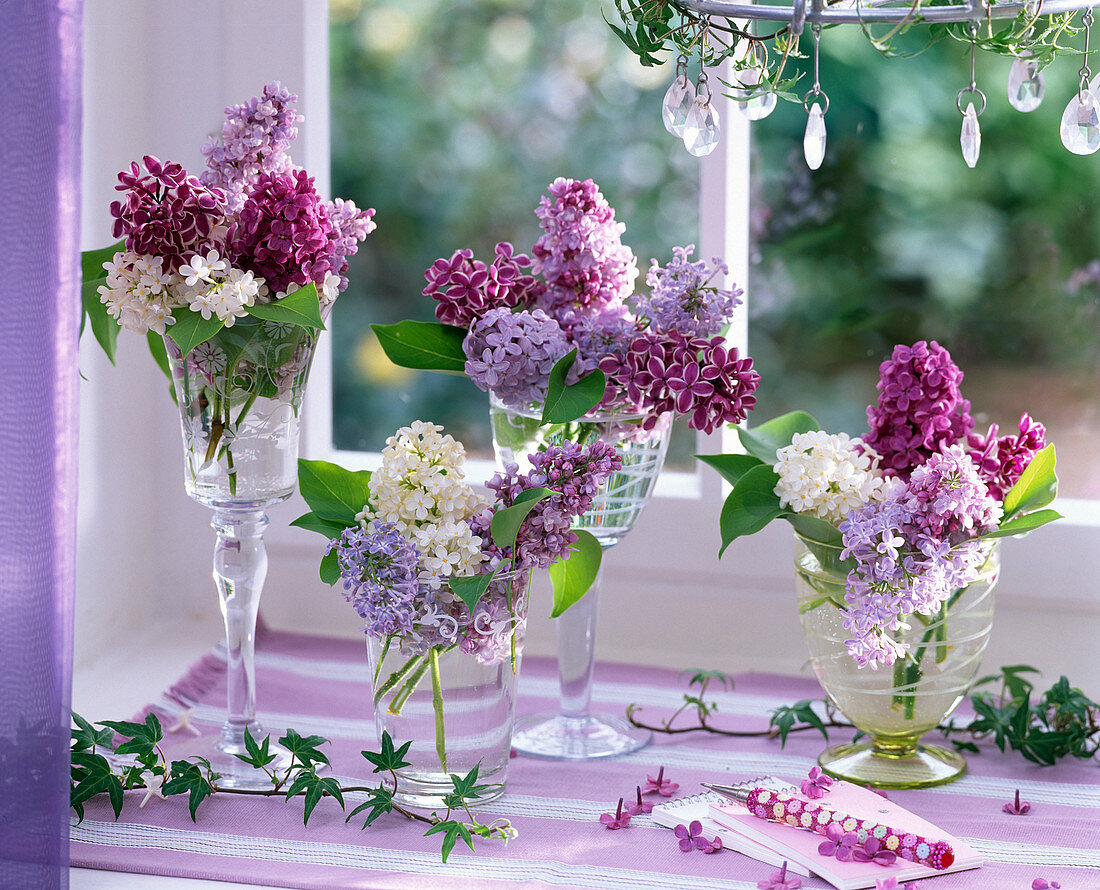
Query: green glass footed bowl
894, 706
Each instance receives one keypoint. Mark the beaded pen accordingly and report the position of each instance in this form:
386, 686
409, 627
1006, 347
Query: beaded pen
789, 810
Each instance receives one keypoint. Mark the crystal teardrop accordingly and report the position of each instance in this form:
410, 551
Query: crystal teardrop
813, 143
971, 138
754, 107
701, 129
1025, 85
1081, 124
677, 104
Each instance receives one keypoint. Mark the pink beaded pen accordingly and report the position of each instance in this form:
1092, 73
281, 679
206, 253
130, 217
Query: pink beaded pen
787, 809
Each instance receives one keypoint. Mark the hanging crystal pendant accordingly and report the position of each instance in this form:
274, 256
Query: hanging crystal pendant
754, 107
971, 139
813, 143
1081, 124
701, 129
677, 104
1025, 84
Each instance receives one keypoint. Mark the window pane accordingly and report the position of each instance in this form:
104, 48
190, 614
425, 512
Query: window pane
895, 240
451, 119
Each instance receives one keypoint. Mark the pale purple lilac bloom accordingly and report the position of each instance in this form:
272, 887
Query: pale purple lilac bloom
684, 297
255, 138
580, 254
351, 225
380, 570
512, 353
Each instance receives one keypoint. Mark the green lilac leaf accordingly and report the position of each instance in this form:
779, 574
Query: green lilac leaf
1036, 487
159, 353
470, 589
333, 493
329, 568
730, 466
301, 308
765, 440
751, 505
573, 574
311, 522
506, 523
423, 345
567, 402
93, 261
1021, 525
191, 329
104, 328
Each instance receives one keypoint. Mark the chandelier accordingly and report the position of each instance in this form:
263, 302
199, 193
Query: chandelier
1032, 32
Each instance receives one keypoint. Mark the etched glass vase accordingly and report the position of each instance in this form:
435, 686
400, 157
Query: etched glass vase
575, 733
894, 706
240, 397
450, 689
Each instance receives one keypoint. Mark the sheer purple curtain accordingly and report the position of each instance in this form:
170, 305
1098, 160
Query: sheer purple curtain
40, 58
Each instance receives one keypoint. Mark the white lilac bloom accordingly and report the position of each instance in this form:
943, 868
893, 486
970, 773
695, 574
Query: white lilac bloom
828, 475
210, 286
137, 293
329, 289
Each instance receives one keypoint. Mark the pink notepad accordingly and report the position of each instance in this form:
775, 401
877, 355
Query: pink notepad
801, 846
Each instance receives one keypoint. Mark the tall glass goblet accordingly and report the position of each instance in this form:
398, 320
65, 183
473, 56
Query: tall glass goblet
575, 733
240, 395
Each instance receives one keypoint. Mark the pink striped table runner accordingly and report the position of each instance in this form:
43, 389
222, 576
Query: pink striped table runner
321, 686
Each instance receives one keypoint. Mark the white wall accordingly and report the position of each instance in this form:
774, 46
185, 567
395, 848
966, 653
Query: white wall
144, 550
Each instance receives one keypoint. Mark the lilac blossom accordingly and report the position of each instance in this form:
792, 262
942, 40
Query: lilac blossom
839, 843
255, 139
380, 571
946, 500
466, 289
580, 254
873, 850
684, 297
642, 807
1002, 461
283, 232
660, 785
817, 784
351, 226
619, 820
691, 838
919, 410
1017, 807
165, 212
511, 354
780, 880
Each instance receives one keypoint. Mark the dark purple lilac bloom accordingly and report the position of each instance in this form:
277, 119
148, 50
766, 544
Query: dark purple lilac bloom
684, 298
920, 409
580, 254
691, 838
839, 844
511, 354
1001, 461
873, 850
619, 820
283, 232
817, 784
165, 211
1017, 807
465, 289
255, 139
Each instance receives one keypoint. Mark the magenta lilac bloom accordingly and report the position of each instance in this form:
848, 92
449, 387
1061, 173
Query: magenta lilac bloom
1043, 884
283, 232
641, 807
920, 409
1002, 461
874, 851
780, 880
840, 844
817, 784
580, 254
691, 838
466, 289
165, 212
660, 785
684, 297
1017, 807
619, 820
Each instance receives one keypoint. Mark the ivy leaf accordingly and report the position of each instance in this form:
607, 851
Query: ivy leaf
566, 402
333, 493
314, 787
86, 737
329, 569
506, 523
730, 466
389, 758
311, 522
188, 778
191, 329
751, 505
785, 717
143, 737
1036, 487
259, 754
699, 677
574, 573
763, 441
452, 831
471, 588
305, 748
301, 308
379, 803
96, 778
423, 345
